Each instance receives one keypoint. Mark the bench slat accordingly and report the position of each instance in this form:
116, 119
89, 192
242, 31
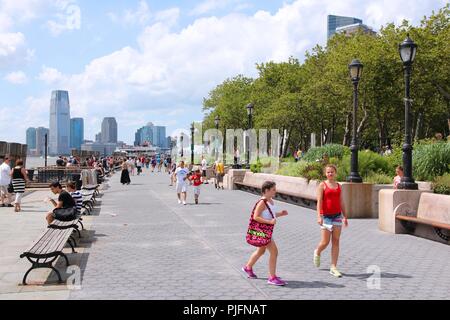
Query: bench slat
424, 221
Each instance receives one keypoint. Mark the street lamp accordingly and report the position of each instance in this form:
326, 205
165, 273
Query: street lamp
250, 125
182, 151
407, 51
217, 122
192, 143
355, 68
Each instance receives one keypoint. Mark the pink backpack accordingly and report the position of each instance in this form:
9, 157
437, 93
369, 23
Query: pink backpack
259, 234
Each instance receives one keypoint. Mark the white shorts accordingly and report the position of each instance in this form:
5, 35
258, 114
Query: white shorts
181, 187
197, 190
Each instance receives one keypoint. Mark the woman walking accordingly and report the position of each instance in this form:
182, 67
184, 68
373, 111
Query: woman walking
125, 176
265, 212
19, 179
331, 215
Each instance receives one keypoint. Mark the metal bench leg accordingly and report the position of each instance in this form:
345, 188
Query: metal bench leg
81, 223
24, 280
73, 240
71, 245
57, 273
65, 258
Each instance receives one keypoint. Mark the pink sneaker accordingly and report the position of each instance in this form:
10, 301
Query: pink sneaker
249, 273
276, 281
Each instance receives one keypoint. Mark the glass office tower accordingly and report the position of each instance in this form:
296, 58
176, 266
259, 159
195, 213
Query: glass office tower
76, 133
59, 140
335, 22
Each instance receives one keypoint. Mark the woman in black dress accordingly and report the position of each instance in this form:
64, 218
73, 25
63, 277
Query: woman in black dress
125, 177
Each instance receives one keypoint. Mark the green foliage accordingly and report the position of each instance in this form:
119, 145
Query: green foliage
332, 150
307, 170
315, 96
395, 159
256, 167
431, 160
441, 184
378, 178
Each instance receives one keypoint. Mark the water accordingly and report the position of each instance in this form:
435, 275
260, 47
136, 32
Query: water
34, 162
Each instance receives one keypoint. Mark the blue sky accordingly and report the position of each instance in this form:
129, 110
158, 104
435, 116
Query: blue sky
143, 61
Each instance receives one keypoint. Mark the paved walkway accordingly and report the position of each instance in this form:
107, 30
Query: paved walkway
149, 247
142, 245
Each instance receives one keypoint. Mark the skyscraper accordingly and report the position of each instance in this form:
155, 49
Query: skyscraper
109, 130
40, 140
155, 135
59, 140
31, 139
76, 133
335, 22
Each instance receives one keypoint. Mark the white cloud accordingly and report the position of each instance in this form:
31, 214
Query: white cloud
50, 75
16, 77
139, 16
178, 68
67, 18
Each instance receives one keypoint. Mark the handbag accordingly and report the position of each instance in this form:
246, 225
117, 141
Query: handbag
10, 188
259, 234
65, 214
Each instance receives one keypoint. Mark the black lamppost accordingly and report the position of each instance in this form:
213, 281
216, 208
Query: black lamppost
182, 151
407, 51
192, 143
355, 68
250, 127
217, 122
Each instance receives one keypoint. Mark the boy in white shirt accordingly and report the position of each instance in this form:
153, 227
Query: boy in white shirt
181, 175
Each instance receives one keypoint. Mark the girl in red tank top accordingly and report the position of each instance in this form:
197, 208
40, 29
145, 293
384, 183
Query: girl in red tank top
331, 216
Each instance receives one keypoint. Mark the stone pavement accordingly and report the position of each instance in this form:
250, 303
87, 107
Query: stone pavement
17, 233
145, 246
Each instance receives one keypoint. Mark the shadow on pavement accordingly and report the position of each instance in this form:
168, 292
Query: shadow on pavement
386, 275
311, 285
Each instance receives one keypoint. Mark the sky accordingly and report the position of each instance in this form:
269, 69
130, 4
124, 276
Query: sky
154, 61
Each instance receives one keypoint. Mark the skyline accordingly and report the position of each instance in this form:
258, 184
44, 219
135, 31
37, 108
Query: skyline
154, 61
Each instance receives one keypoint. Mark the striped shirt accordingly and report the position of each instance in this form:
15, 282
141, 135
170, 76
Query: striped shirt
78, 198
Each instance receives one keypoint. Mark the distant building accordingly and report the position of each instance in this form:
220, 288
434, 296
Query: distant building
105, 149
40, 140
98, 137
153, 135
109, 130
76, 133
353, 28
59, 141
31, 139
334, 22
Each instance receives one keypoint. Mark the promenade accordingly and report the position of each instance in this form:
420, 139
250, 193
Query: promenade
141, 244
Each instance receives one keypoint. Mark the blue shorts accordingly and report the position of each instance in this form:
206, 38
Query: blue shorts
331, 220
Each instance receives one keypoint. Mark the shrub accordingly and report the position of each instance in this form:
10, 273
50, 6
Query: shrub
256, 167
431, 160
368, 162
395, 159
441, 184
378, 178
332, 150
307, 170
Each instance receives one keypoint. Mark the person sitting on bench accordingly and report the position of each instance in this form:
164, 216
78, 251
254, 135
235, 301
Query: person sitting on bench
65, 200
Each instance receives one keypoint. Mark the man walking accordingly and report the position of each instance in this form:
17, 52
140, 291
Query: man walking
181, 176
5, 179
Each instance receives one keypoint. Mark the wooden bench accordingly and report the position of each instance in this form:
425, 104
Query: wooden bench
253, 183
63, 225
46, 250
433, 211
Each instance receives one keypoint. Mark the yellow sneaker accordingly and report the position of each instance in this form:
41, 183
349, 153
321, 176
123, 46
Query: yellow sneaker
335, 272
316, 259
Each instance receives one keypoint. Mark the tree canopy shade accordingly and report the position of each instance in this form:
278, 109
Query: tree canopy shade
315, 96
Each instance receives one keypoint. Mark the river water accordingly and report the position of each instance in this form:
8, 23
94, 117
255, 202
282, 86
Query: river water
34, 162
